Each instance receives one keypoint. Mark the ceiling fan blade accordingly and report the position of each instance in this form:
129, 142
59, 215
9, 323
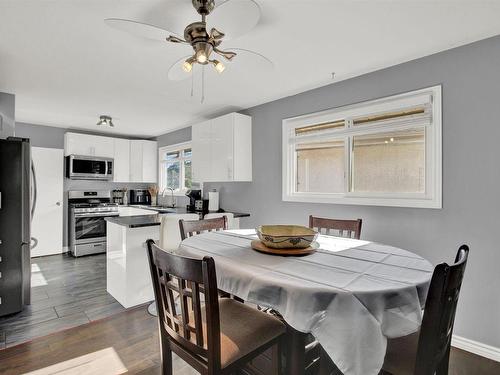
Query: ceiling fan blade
235, 17
175, 39
140, 29
247, 59
228, 55
176, 73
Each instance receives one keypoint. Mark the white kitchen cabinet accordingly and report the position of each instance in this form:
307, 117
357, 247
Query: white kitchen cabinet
143, 161
200, 142
222, 149
121, 157
88, 145
134, 160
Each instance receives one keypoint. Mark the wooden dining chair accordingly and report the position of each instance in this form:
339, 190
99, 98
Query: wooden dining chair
190, 228
336, 227
217, 337
427, 352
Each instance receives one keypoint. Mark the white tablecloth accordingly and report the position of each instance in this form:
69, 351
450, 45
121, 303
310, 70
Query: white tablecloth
351, 295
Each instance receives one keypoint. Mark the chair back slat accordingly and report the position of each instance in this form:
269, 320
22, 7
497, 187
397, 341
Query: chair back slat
190, 228
439, 315
197, 314
336, 227
193, 327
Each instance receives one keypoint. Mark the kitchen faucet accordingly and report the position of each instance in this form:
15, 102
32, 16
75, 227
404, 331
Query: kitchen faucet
172, 203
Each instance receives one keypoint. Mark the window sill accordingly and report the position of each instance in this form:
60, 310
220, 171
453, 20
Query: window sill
372, 201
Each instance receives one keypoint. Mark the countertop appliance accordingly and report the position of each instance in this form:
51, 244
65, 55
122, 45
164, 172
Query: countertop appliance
16, 209
201, 205
87, 227
194, 195
118, 196
89, 168
140, 196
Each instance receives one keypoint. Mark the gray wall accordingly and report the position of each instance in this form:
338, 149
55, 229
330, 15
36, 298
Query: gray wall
177, 136
470, 77
52, 137
7, 114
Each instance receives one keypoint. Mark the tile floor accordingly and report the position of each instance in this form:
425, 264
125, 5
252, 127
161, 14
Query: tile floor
66, 292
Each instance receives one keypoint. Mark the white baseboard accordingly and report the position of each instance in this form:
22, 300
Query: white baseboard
65, 249
476, 347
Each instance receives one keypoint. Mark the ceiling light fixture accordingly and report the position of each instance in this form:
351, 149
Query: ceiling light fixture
205, 42
218, 66
105, 120
187, 66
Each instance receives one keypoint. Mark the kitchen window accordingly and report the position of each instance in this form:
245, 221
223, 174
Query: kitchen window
385, 152
175, 167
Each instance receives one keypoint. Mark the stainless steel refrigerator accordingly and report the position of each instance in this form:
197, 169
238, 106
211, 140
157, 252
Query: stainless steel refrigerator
16, 204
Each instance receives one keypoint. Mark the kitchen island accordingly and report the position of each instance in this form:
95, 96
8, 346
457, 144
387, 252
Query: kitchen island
128, 275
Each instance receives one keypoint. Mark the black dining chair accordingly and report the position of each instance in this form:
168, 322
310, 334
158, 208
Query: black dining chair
190, 228
427, 352
215, 337
336, 227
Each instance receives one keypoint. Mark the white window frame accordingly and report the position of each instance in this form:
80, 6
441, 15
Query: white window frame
172, 148
432, 198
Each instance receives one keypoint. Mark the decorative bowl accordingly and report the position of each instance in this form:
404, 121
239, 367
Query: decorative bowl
286, 236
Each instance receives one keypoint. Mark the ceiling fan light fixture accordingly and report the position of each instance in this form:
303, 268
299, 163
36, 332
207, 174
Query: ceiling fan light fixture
218, 66
187, 66
202, 52
201, 57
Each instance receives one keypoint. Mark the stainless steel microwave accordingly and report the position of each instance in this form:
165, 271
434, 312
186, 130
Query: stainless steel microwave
80, 167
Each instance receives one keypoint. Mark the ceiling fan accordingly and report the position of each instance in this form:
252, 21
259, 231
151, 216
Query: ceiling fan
235, 16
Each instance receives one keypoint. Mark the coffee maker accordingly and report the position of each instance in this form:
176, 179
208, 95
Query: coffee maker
196, 202
117, 196
140, 196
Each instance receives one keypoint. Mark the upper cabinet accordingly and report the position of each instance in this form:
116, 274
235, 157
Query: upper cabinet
222, 149
143, 161
88, 145
134, 160
121, 158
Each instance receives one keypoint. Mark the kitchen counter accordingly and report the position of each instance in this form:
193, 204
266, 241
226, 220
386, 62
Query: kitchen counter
138, 221
128, 279
153, 220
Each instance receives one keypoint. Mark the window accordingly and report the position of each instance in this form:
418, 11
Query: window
385, 152
175, 167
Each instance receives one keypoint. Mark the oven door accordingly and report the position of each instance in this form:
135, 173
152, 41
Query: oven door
89, 227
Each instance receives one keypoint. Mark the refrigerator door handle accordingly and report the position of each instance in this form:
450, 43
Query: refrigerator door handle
34, 191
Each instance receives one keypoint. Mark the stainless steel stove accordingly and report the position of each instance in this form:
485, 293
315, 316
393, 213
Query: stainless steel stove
87, 225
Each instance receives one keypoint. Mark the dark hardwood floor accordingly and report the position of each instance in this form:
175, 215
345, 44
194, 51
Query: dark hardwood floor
66, 292
128, 342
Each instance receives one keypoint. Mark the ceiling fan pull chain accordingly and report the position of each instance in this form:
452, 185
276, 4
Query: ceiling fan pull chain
202, 84
192, 85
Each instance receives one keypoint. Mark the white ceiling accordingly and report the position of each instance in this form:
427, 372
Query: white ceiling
67, 67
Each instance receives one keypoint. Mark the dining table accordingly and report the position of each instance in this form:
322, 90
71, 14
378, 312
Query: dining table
351, 295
